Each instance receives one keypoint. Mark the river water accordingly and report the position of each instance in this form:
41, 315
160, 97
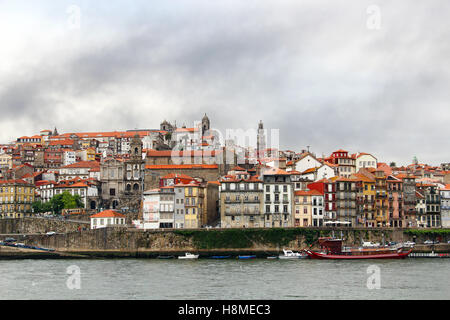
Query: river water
412, 278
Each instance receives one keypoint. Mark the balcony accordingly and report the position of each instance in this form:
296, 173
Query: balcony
251, 201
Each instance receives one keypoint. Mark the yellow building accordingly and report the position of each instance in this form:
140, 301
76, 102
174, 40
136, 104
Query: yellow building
194, 196
303, 208
16, 197
90, 154
196, 204
366, 199
5, 161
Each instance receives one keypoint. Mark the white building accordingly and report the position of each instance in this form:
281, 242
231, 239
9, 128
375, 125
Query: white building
107, 218
278, 197
150, 209
445, 206
365, 160
81, 169
307, 161
69, 157
317, 203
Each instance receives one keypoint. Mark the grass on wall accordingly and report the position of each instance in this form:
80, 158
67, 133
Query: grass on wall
246, 238
428, 232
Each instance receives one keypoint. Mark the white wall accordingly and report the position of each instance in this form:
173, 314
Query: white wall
307, 162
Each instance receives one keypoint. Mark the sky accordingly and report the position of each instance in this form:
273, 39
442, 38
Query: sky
364, 76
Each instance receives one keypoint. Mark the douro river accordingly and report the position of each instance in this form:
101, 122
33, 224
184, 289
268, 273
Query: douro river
412, 278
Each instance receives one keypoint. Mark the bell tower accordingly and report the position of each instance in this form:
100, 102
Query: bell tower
205, 124
136, 148
261, 140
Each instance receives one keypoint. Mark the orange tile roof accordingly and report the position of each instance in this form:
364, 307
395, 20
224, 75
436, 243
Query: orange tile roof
177, 175
186, 129
363, 178
310, 170
16, 181
108, 214
307, 193
275, 171
83, 164
61, 142
339, 178
181, 166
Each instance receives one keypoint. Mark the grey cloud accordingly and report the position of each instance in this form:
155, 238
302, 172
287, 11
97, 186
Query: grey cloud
313, 71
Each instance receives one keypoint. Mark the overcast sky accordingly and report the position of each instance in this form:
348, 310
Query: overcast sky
328, 74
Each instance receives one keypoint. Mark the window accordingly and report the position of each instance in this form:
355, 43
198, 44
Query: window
112, 192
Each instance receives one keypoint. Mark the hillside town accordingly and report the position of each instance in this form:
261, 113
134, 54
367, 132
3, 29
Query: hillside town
189, 177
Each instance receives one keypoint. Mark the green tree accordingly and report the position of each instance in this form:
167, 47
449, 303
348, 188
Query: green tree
65, 201
40, 207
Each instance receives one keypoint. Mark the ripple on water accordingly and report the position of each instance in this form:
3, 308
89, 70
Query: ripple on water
224, 279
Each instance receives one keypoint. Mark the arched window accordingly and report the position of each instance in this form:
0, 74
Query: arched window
136, 187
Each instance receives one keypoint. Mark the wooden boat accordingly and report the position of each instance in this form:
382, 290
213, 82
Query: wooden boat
247, 257
189, 255
332, 249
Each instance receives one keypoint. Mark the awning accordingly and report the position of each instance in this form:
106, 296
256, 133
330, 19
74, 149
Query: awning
337, 222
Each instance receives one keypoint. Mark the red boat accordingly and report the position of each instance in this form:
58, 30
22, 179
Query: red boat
332, 249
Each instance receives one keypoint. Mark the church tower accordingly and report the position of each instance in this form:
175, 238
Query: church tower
261, 140
136, 148
205, 124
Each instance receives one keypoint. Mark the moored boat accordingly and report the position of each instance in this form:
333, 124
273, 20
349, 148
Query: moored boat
289, 254
247, 257
220, 257
189, 255
333, 249
166, 257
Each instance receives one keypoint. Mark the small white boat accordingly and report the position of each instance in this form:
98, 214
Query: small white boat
188, 255
289, 254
